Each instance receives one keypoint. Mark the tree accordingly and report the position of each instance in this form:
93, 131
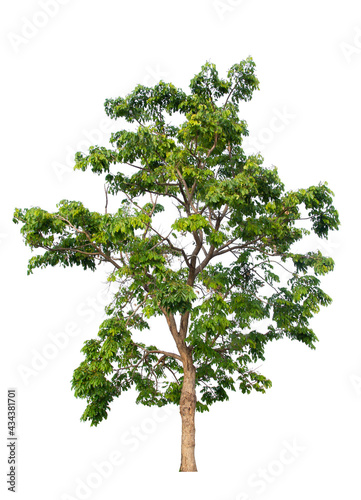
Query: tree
228, 204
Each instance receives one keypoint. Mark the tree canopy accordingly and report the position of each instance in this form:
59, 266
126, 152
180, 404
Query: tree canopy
228, 203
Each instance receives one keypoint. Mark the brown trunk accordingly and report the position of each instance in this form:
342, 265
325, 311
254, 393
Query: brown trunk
187, 408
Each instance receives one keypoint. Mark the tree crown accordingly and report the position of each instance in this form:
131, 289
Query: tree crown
227, 203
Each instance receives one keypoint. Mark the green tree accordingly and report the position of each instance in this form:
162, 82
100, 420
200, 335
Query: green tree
228, 203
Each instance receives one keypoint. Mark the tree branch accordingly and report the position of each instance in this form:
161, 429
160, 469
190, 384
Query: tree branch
214, 145
163, 238
156, 351
82, 231
106, 199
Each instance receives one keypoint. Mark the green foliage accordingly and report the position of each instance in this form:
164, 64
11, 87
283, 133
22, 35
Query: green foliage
228, 203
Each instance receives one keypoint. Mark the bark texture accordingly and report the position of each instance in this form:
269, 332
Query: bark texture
187, 410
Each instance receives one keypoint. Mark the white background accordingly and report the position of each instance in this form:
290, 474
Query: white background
57, 70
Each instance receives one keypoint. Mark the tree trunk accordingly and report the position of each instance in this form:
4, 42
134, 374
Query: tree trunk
187, 408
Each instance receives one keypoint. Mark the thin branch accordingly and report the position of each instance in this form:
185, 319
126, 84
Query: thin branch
263, 279
156, 351
276, 262
229, 95
221, 217
140, 305
166, 366
203, 264
163, 238
106, 257
218, 251
189, 196
106, 199
214, 145
237, 247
